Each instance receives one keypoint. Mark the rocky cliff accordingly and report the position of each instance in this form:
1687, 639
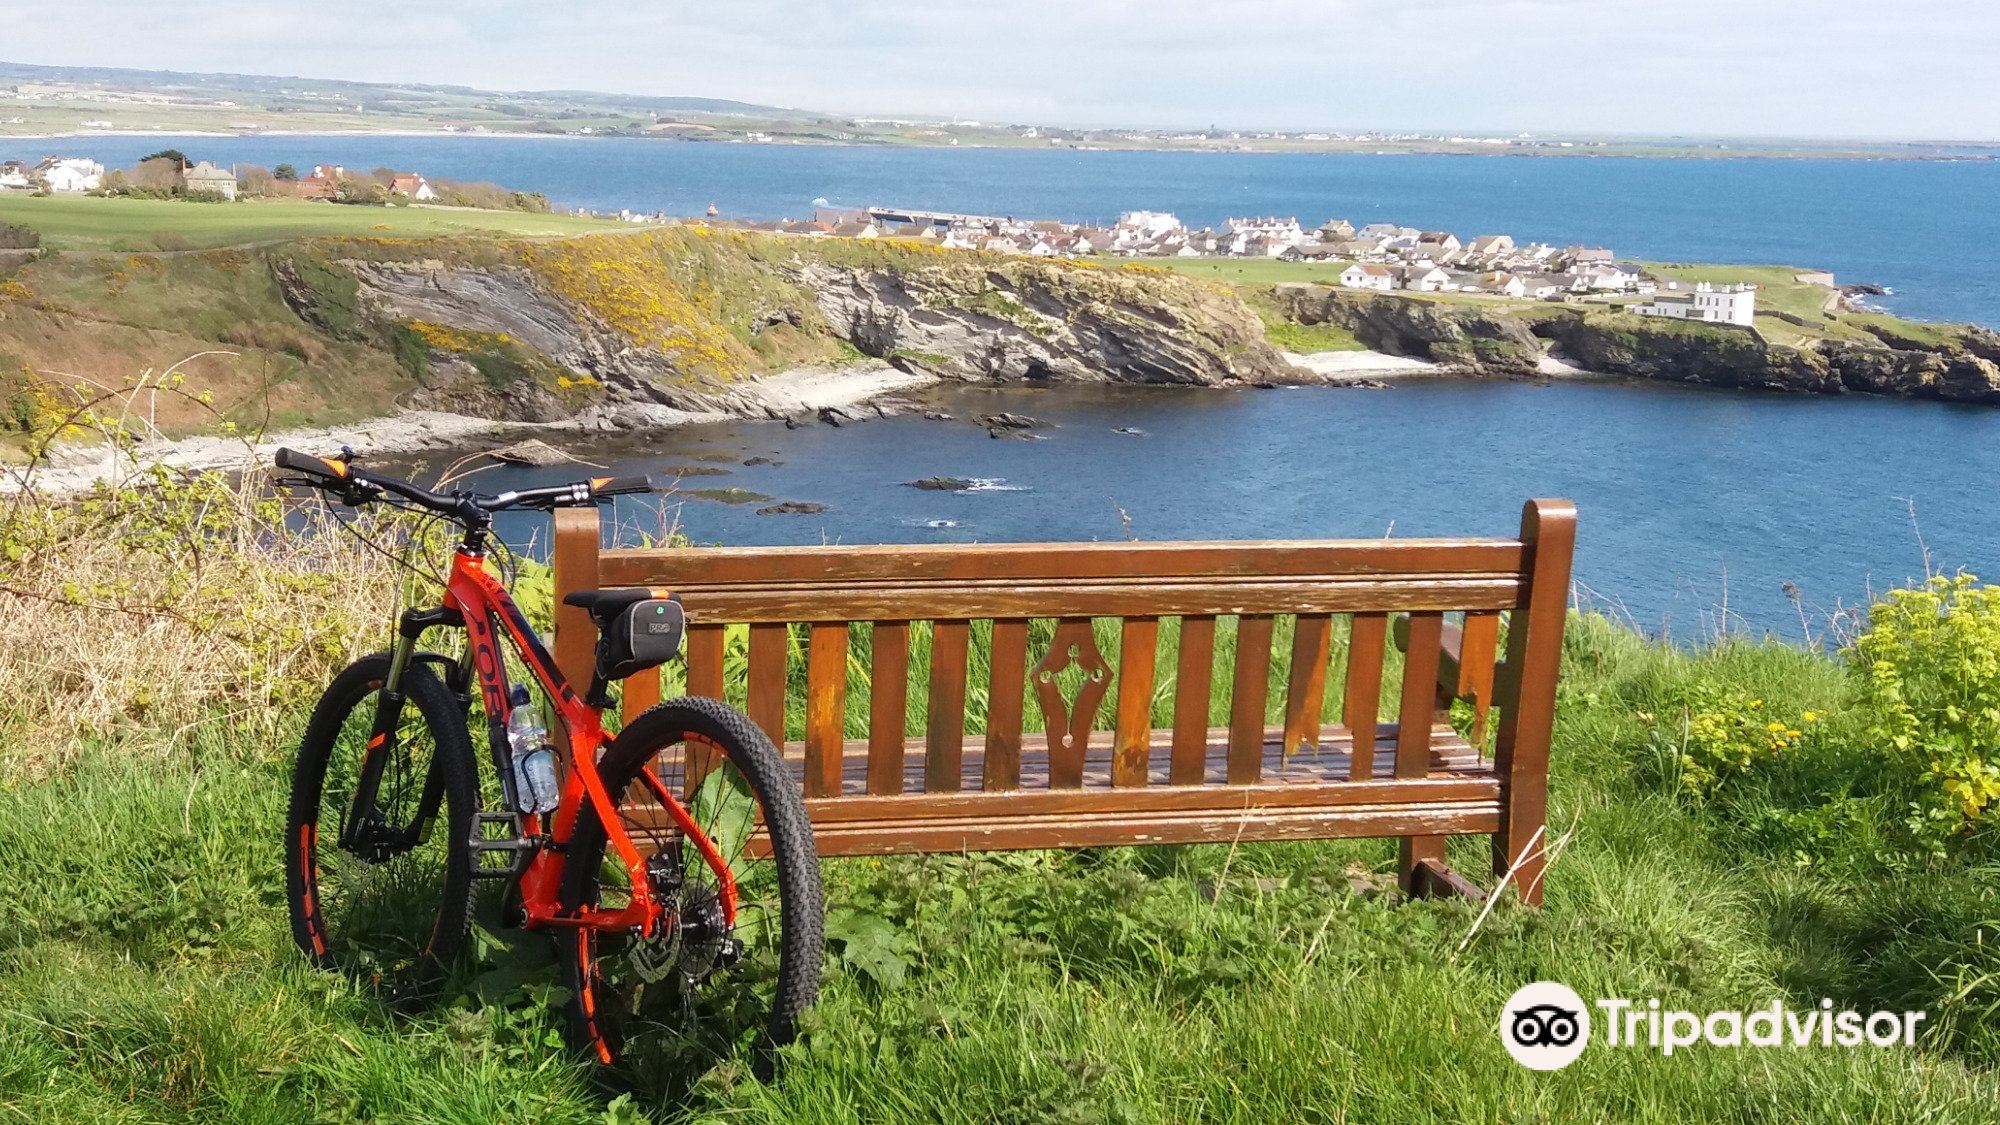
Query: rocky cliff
1957, 365
686, 318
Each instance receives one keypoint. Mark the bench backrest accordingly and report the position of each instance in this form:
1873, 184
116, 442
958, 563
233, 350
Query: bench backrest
1044, 617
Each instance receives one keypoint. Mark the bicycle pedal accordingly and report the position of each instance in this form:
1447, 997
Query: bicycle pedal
513, 848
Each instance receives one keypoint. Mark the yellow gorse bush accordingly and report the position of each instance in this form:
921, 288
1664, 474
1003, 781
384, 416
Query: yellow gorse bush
628, 283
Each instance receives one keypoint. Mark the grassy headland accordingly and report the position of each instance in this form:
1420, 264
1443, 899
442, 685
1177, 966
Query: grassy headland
147, 974
80, 222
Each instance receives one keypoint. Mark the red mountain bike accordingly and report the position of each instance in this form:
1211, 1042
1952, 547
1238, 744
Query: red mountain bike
673, 863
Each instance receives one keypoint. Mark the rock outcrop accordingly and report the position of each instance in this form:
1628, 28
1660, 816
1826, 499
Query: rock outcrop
1008, 320
1469, 338
513, 331
1957, 365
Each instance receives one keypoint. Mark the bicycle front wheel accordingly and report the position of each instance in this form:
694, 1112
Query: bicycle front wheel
700, 987
382, 887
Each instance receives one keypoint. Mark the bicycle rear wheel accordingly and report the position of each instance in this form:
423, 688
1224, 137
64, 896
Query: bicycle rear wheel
384, 889
699, 988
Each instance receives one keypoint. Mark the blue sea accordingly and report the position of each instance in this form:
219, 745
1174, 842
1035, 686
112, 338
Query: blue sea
1700, 509
1930, 230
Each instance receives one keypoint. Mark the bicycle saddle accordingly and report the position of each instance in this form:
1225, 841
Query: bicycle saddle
604, 606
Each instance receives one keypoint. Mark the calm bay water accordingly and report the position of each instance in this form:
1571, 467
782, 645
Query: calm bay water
1688, 498
1930, 230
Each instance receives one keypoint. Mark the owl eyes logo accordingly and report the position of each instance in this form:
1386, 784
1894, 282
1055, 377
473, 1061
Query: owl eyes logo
1545, 1025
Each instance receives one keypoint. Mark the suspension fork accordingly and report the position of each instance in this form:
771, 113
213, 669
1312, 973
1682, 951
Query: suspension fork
362, 813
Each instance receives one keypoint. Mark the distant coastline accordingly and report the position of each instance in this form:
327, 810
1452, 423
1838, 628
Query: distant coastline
1610, 150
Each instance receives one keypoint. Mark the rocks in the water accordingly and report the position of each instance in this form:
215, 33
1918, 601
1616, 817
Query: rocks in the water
761, 460
938, 416
697, 471
1130, 431
834, 416
940, 484
714, 456
792, 508
533, 451
1006, 421
1012, 433
724, 495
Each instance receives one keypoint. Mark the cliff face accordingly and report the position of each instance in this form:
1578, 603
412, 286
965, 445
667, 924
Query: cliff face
1957, 366
686, 317
1468, 337
1014, 319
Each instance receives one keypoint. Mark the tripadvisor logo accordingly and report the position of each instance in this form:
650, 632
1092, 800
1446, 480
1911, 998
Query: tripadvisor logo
1546, 1026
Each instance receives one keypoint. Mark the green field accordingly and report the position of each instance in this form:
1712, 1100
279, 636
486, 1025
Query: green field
82, 222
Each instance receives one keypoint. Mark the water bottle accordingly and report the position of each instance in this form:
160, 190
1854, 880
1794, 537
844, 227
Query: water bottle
534, 759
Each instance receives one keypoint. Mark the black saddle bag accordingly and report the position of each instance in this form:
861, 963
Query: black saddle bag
644, 635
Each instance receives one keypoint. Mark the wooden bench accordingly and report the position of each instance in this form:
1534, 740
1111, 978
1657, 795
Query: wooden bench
822, 636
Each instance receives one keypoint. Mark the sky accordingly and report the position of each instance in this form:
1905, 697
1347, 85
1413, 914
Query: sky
1880, 69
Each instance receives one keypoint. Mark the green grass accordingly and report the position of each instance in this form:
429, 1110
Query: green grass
1247, 271
78, 222
147, 975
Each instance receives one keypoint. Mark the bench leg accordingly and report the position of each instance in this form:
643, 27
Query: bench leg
1521, 839
1413, 855
1433, 879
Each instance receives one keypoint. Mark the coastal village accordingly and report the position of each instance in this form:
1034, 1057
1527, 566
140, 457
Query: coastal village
1383, 257
1379, 256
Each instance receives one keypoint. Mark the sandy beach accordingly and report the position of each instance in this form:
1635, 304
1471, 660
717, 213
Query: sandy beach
1362, 365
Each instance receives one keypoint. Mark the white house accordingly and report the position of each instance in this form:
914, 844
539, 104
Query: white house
70, 173
1385, 231
1541, 286
1715, 304
1610, 277
1368, 275
413, 185
1150, 225
15, 176
1423, 279
1487, 245
1284, 232
1503, 285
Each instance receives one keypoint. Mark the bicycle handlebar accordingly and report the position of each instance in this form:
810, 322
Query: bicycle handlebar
356, 487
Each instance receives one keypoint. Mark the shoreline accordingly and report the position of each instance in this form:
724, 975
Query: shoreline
1635, 152
827, 393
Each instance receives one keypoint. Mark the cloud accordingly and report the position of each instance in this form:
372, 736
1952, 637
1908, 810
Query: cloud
1737, 67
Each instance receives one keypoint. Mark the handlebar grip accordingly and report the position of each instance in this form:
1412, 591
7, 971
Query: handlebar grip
311, 466
621, 486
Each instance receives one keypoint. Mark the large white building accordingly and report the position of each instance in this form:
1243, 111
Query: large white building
1150, 224
70, 173
1714, 304
1270, 228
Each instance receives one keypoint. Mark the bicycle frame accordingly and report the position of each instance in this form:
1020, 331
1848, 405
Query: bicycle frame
475, 600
